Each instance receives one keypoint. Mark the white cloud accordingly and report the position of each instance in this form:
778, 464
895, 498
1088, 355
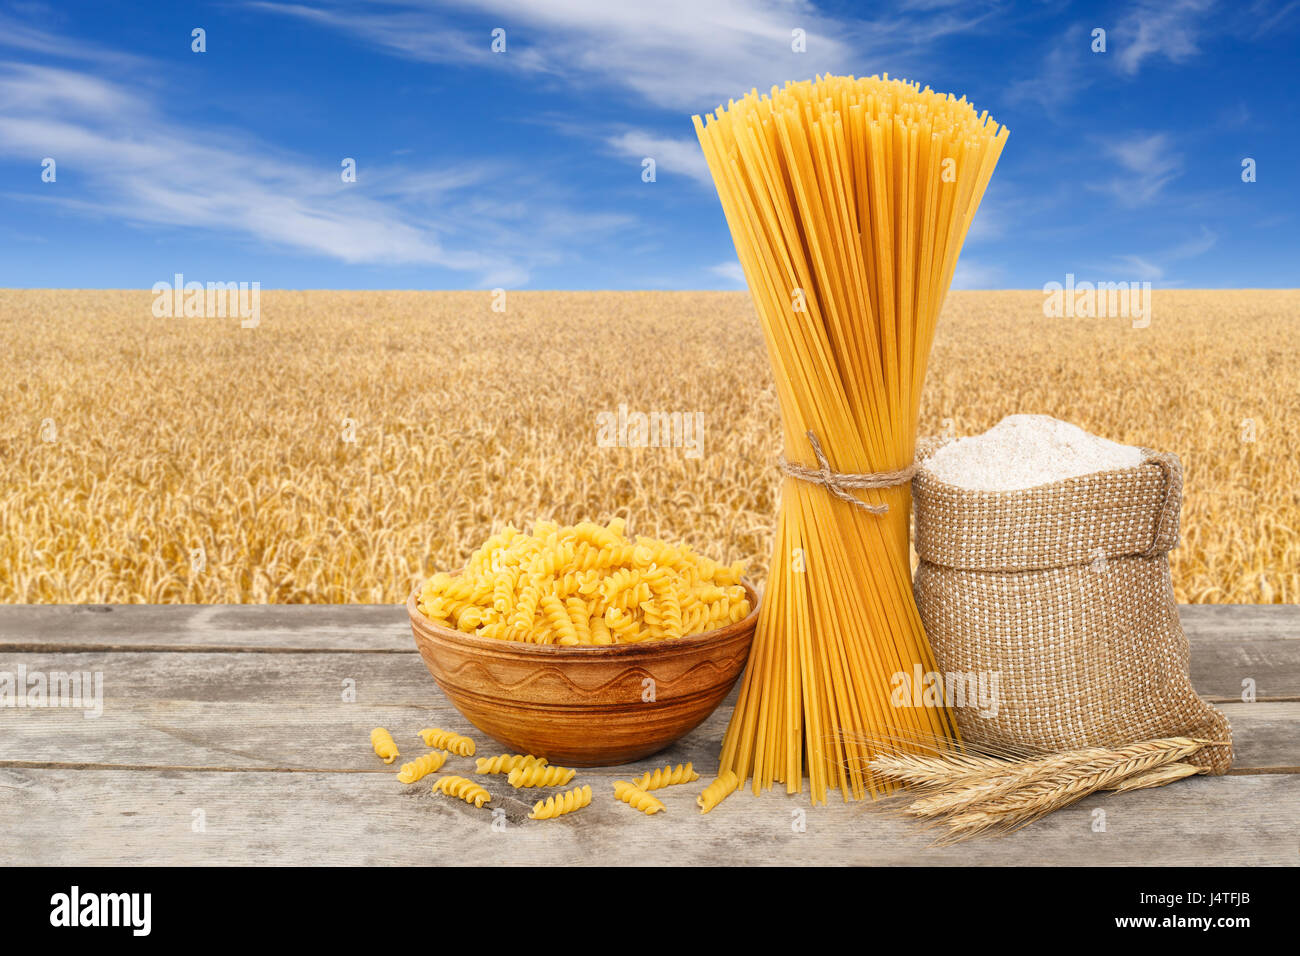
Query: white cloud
1158, 28
135, 163
1154, 267
990, 222
18, 35
677, 54
1152, 28
1268, 17
681, 156
1149, 164
1144, 154
971, 274
1192, 248
149, 170
1061, 76
1144, 270
731, 271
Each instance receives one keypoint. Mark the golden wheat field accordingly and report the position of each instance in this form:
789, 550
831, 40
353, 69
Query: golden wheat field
356, 441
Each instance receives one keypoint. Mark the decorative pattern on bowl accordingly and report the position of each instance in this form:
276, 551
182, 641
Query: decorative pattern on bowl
585, 706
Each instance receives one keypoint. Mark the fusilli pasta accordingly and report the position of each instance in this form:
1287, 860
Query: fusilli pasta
446, 740
384, 744
540, 776
462, 787
507, 762
637, 798
414, 770
666, 777
561, 803
717, 791
585, 584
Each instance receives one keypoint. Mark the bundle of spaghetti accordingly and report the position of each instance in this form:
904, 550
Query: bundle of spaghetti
848, 201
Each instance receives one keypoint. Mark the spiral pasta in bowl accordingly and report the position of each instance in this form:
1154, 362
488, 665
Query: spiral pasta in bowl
582, 645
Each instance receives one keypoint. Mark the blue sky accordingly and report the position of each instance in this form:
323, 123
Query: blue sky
522, 169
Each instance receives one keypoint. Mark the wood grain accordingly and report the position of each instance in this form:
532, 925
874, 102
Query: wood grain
254, 711
337, 628
147, 817
239, 712
1229, 642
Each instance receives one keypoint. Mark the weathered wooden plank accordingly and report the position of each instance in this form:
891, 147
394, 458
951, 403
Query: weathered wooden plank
266, 736
1232, 643
1228, 641
251, 710
290, 680
1264, 735
291, 627
135, 818
1240, 621
288, 711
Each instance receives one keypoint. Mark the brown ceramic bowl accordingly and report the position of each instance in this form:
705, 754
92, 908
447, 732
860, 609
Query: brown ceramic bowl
583, 706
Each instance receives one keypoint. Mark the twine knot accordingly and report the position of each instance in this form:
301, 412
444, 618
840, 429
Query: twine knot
842, 484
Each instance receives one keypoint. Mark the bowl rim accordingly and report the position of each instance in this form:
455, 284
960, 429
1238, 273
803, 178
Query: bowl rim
578, 651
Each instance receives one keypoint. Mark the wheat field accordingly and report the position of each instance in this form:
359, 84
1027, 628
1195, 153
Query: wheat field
356, 441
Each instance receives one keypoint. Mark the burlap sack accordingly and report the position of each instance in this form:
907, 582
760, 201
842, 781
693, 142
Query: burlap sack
1064, 592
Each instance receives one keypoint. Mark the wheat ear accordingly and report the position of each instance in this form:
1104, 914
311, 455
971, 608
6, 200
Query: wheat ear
1019, 808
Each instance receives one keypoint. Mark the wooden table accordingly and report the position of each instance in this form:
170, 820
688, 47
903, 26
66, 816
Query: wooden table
225, 738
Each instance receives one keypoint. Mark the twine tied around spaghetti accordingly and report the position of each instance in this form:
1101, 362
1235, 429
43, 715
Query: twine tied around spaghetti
843, 484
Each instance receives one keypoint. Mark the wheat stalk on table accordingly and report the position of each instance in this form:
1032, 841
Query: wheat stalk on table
973, 794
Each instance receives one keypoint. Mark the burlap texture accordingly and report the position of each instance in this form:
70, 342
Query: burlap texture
1064, 592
